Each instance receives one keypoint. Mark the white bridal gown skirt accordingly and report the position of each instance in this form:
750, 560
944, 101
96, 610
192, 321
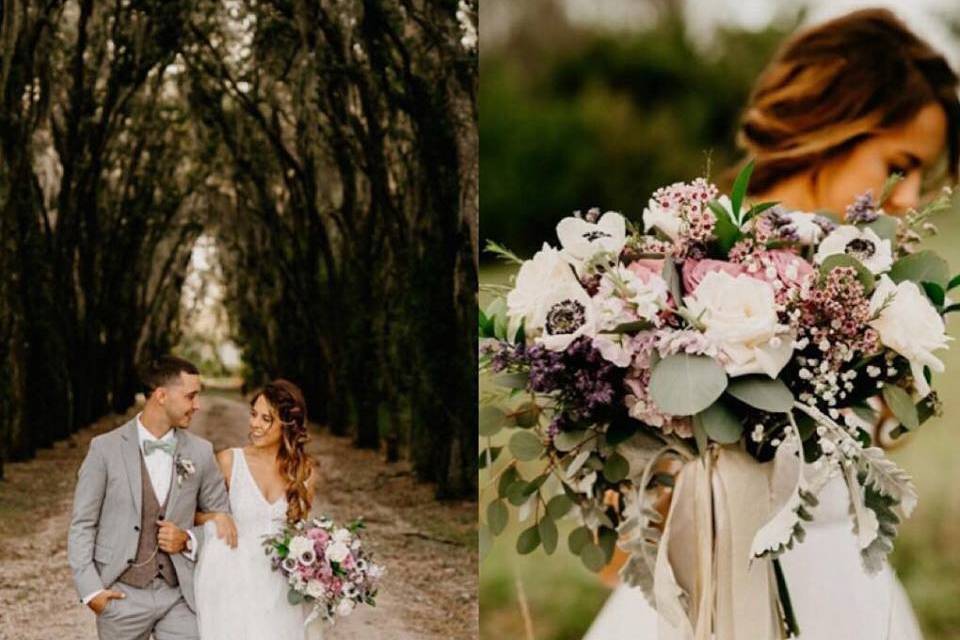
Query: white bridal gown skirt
833, 597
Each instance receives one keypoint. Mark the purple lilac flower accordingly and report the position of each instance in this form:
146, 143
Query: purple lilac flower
584, 381
863, 209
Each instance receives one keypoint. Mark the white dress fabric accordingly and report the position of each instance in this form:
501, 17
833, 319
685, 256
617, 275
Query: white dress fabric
239, 596
832, 595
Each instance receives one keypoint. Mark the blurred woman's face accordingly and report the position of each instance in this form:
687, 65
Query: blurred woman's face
265, 427
909, 149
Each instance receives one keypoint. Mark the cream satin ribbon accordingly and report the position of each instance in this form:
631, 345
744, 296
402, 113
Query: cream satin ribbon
706, 585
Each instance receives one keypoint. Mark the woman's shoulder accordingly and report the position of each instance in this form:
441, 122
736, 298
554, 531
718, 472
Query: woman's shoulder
225, 462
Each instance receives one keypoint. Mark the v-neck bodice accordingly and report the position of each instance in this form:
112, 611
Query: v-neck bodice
251, 511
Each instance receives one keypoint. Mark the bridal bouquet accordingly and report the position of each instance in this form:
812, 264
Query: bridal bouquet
325, 565
751, 344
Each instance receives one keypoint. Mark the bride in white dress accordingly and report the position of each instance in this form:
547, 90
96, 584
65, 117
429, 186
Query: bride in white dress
819, 139
270, 482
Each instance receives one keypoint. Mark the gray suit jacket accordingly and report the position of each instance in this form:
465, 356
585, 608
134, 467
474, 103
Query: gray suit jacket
106, 506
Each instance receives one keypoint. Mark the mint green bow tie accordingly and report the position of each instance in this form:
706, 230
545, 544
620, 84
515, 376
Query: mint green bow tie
149, 446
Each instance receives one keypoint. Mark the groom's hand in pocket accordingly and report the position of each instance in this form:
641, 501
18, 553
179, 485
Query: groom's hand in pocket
99, 603
171, 538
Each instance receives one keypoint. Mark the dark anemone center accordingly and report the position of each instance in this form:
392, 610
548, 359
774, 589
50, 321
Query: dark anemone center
596, 235
860, 248
565, 317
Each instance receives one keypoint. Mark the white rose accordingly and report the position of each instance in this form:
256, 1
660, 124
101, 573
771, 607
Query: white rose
300, 545
345, 607
740, 317
567, 313
341, 535
582, 240
337, 552
862, 244
910, 325
547, 269
805, 225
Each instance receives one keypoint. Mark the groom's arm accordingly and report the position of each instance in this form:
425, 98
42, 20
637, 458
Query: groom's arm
87, 501
212, 495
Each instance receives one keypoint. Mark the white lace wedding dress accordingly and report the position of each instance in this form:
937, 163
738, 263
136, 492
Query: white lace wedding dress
239, 596
833, 597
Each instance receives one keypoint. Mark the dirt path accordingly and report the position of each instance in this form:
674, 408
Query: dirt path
430, 591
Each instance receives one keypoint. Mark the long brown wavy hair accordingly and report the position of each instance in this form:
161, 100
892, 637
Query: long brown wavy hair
833, 85
296, 467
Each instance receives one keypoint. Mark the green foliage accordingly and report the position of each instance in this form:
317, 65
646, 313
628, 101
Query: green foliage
644, 106
719, 423
922, 266
684, 385
762, 392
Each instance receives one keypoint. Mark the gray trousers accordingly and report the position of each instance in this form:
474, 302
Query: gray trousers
158, 609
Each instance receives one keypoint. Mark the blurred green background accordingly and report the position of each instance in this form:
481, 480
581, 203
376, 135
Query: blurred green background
598, 103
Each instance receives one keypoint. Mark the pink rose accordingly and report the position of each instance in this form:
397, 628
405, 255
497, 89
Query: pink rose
695, 270
646, 267
792, 270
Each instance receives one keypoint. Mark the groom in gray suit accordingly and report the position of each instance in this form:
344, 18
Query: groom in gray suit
132, 542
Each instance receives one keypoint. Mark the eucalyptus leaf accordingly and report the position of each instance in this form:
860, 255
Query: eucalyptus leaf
529, 540
885, 227
569, 440
512, 380
719, 423
488, 457
491, 421
548, 534
294, 597
518, 492
901, 404
684, 384
700, 435
616, 468
923, 266
527, 415
578, 539
536, 483
762, 392
559, 506
507, 478
593, 557
607, 539
497, 516
621, 430
525, 446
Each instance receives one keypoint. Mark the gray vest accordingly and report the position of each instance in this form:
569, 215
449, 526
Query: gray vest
145, 568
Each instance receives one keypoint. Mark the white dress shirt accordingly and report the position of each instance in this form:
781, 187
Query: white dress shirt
159, 463
160, 469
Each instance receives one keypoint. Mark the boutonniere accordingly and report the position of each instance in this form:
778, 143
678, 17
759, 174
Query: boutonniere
184, 468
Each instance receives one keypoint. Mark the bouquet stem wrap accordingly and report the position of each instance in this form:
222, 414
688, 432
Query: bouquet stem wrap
707, 585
